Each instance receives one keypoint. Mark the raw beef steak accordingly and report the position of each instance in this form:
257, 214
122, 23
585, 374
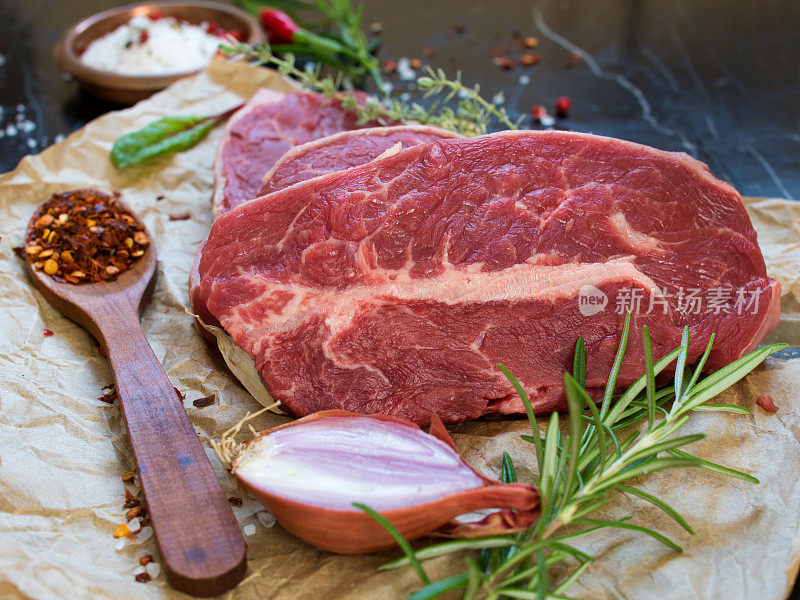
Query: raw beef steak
343, 150
399, 285
259, 133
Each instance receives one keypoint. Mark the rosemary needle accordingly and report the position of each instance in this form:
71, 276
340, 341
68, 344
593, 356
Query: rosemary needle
578, 469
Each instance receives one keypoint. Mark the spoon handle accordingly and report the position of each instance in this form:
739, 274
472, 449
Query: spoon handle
201, 545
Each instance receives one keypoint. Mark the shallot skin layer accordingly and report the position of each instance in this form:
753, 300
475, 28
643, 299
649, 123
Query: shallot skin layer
309, 473
337, 461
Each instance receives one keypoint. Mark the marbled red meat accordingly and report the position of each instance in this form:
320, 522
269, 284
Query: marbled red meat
259, 133
398, 286
344, 150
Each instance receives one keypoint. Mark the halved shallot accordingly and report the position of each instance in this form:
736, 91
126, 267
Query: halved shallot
309, 472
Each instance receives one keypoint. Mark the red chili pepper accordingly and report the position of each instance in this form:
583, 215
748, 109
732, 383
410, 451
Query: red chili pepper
211, 27
143, 36
47, 333
563, 104
155, 15
279, 26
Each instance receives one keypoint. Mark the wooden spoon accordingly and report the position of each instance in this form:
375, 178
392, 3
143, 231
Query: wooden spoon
201, 545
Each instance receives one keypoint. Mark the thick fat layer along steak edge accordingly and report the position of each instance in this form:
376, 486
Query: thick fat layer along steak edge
399, 285
346, 149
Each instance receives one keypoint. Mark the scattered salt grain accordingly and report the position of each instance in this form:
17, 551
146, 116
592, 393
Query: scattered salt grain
134, 524
153, 569
11, 131
31, 143
266, 519
26, 125
139, 570
249, 529
59, 138
142, 536
121, 543
404, 70
548, 120
20, 108
524, 79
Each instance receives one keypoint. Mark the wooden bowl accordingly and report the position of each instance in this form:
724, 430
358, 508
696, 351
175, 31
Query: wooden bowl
128, 89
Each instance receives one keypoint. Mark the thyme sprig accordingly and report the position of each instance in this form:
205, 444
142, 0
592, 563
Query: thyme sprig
472, 114
603, 449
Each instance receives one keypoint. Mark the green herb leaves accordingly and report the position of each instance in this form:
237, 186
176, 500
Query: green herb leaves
161, 137
472, 114
600, 451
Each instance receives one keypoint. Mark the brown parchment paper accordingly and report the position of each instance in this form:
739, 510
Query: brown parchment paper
62, 451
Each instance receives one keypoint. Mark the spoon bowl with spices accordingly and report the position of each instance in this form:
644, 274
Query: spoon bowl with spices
92, 259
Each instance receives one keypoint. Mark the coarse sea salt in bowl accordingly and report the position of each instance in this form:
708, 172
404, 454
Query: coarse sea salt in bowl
128, 53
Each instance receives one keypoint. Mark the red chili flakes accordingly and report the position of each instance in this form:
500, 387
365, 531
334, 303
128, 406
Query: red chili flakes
530, 42
528, 59
235, 500
100, 350
765, 401
428, 52
160, 197
203, 402
389, 66
19, 251
134, 513
143, 577
84, 236
235, 34
563, 104
504, 62
130, 500
143, 37
155, 15
181, 397
460, 29
415, 63
47, 333
109, 396
127, 476
146, 560
180, 217
573, 60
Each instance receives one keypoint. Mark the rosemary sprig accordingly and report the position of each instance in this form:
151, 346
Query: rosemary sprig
472, 114
602, 450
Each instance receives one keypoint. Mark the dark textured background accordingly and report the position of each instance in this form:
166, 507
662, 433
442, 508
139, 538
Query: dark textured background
717, 79
720, 80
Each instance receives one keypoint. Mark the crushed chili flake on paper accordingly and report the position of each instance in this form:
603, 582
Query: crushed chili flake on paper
203, 402
765, 401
